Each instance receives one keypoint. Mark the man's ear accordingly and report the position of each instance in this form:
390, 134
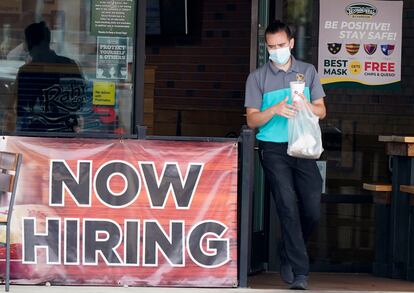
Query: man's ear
292, 43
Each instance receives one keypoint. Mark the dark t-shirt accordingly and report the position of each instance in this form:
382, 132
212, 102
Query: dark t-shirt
51, 91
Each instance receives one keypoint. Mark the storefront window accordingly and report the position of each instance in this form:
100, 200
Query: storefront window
66, 66
298, 14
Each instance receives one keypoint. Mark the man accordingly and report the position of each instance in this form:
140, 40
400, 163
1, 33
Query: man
50, 88
295, 183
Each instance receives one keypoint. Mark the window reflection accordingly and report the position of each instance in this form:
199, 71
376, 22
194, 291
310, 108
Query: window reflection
50, 87
298, 14
54, 77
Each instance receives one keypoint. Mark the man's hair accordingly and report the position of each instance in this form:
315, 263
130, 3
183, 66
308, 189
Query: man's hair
278, 26
36, 34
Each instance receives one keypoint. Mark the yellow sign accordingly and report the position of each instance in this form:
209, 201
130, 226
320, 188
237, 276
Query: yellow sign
104, 93
355, 67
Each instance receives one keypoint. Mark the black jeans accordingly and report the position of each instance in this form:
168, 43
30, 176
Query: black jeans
296, 187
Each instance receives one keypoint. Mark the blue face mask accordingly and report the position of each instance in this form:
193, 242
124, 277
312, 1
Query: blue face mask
280, 56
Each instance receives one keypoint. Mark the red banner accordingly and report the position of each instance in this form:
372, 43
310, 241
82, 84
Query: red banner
131, 212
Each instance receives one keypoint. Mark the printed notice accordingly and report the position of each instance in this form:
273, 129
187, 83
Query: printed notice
112, 58
112, 18
104, 93
360, 43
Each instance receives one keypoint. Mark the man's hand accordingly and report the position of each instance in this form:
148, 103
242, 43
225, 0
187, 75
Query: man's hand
256, 118
284, 109
317, 106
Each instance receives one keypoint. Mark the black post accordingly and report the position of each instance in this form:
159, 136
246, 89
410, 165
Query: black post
410, 273
141, 132
139, 62
400, 207
410, 253
382, 264
247, 179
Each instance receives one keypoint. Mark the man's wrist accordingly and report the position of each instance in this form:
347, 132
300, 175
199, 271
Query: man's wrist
311, 106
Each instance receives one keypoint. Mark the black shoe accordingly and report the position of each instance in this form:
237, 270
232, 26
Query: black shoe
286, 272
300, 283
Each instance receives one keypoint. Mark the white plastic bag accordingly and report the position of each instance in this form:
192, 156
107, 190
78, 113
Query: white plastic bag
304, 134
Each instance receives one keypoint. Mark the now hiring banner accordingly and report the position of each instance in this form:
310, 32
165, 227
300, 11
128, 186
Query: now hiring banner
124, 212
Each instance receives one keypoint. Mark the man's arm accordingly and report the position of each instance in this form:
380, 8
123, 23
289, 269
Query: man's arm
256, 118
317, 95
318, 108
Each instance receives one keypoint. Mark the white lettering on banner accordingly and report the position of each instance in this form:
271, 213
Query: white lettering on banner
331, 24
351, 35
359, 30
172, 245
382, 36
98, 238
62, 178
360, 25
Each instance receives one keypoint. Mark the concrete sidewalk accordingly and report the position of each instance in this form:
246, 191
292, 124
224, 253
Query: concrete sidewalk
84, 289
261, 283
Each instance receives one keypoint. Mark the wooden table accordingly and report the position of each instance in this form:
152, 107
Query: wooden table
401, 150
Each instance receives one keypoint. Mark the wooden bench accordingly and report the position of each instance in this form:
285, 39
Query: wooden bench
382, 200
382, 192
408, 189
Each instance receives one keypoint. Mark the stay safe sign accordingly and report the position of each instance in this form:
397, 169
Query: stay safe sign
360, 42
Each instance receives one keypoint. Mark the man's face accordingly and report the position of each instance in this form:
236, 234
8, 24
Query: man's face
278, 40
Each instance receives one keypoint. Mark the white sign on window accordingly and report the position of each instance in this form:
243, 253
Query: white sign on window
360, 42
